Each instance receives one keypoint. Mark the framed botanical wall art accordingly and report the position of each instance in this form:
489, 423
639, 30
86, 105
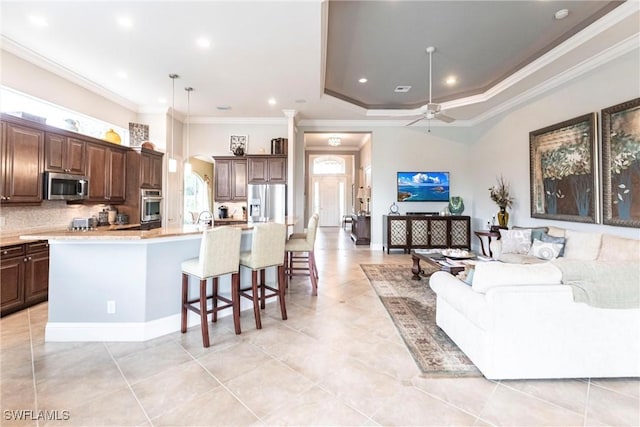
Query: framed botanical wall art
564, 176
238, 144
621, 164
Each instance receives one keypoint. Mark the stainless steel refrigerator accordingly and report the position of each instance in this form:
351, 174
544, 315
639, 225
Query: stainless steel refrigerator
267, 202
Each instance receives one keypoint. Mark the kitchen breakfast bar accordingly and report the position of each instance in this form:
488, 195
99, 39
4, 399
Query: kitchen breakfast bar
125, 285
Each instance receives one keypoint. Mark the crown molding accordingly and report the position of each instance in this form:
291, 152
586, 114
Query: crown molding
32, 57
609, 20
340, 124
239, 120
615, 51
612, 18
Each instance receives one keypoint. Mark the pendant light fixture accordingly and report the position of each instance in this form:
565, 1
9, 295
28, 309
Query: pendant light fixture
187, 164
173, 164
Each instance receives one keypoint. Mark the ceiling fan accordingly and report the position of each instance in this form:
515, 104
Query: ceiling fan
432, 111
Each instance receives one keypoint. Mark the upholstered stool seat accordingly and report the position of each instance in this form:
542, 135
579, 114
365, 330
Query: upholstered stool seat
219, 256
303, 235
304, 248
267, 250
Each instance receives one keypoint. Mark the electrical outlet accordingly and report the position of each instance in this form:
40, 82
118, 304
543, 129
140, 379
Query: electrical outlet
111, 307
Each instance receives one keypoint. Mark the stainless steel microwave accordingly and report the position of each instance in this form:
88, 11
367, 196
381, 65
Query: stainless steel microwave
61, 186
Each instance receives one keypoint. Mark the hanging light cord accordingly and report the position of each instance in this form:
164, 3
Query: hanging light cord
188, 89
173, 78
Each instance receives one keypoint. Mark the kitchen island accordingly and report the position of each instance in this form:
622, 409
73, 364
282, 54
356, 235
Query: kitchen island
124, 285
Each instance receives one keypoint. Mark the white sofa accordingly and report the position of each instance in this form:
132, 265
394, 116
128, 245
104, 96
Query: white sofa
519, 320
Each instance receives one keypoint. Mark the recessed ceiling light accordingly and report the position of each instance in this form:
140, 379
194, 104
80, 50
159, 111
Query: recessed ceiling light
125, 22
561, 14
162, 100
402, 89
363, 80
272, 101
451, 80
223, 107
38, 21
203, 42
122, 74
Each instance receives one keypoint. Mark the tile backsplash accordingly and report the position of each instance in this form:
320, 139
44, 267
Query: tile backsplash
49, 215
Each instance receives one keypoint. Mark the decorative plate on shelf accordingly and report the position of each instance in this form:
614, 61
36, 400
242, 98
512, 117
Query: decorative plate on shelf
457, 253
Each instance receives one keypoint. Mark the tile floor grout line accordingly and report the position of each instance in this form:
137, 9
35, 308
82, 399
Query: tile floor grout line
586, 404
453, 405
225, 387
33, 367
541, 399
347, 404
484, 406
610, 389
135, 396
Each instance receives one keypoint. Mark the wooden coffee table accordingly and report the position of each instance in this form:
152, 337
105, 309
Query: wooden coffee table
431, 259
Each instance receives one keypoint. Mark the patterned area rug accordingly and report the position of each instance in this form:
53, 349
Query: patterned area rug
412, 307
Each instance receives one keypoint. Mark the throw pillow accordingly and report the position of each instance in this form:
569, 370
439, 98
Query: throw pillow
536, 232
516, 241
582, 245
552, 239
545, 250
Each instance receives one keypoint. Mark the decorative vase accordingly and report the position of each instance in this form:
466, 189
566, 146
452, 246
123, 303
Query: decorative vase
112, 136
456, 205
503, 217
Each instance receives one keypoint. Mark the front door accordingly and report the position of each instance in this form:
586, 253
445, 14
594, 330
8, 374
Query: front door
328, 194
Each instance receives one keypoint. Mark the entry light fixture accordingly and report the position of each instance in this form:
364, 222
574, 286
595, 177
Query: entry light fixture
334, 141
173, 164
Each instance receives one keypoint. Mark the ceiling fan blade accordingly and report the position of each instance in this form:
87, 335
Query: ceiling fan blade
444, 118
415, 121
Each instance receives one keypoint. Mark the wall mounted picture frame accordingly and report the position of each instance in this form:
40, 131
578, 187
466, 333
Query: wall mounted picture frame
621, 164
238, 141
138, 134
563, 162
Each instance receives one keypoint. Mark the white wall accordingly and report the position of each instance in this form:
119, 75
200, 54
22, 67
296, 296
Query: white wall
28, 78
502, 144
213, 139
396, 149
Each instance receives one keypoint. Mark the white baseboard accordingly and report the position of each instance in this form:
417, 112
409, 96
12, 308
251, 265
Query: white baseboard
111, 332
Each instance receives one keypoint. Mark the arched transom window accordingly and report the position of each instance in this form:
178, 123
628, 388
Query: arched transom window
328, 165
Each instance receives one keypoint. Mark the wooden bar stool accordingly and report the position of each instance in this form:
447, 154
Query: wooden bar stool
304, 247
267, 250
219, 255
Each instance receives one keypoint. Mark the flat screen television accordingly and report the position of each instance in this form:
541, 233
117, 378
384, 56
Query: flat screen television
423, 186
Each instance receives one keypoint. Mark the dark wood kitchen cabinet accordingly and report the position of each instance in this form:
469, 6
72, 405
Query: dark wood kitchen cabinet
230, 179
144, 170
21, 164
64, 154
106, 169
267, 169
151, 168
425, 231
25, 275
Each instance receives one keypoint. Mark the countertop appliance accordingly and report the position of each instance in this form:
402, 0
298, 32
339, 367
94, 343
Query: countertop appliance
267, 202
150, 208
83, 224
61, 186
223, 212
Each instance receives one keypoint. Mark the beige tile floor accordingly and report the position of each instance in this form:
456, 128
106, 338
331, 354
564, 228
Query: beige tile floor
338, 360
